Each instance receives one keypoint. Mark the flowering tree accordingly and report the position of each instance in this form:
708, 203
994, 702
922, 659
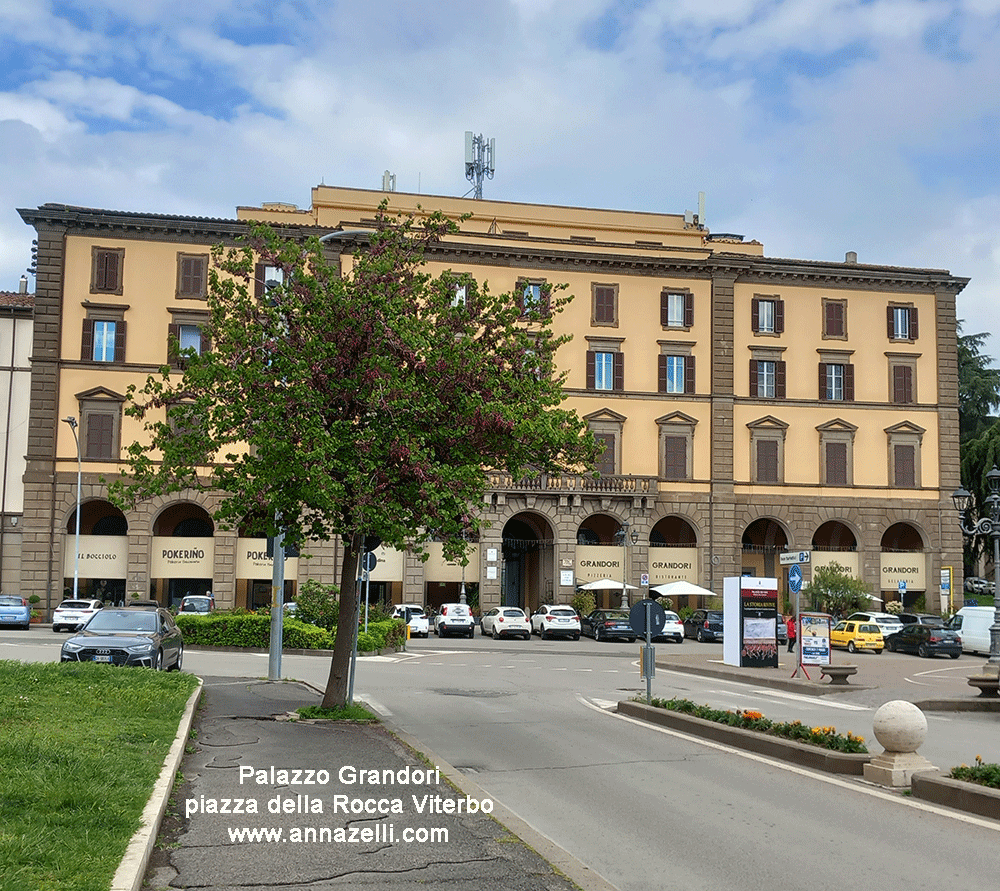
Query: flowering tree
366, 403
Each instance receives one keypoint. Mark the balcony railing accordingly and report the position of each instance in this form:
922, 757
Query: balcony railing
544, 482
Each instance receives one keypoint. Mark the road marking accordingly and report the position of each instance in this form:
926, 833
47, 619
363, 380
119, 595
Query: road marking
810, 700
604, 703
813, 776
583, 669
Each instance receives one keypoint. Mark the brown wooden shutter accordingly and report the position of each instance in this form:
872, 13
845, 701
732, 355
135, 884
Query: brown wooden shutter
193, 276
100, 435
755, 315
675, 458
902, 384
87, 346
848, 383
905, 463
822, 380
779, 316
173, 343
206, 343
767, 461
890, 323
754, 379
914, 332
591, 371
661, 373
606, 462
689, 374
258, 281
779, 379
604, 305
689, 310
120, 340
836, 463
107, 273
619, 371
664, 308
834, 320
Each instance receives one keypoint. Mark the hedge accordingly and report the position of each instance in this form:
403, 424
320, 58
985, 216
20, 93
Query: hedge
254, 630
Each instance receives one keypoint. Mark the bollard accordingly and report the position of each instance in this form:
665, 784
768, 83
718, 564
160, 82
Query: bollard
901, 728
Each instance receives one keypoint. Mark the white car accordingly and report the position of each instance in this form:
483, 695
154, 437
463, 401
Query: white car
415, 617
505, 621
454, 618
673, 629
74, 614
887, 622
553, 619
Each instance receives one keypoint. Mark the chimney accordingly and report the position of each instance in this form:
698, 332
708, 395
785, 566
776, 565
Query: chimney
851, 258
23, 286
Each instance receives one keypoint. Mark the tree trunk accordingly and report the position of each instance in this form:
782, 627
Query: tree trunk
337, 683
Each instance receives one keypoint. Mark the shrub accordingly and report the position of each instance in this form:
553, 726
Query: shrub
825, 737
983, 774
583, 602
250, 630
318, 604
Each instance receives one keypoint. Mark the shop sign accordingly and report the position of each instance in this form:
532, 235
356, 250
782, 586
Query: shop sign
910, 568
252, 561
389, 567
101, 556
673, 565
437, 569
182, 558
595, 562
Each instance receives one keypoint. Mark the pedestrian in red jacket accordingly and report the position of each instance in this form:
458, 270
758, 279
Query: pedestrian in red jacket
791, 633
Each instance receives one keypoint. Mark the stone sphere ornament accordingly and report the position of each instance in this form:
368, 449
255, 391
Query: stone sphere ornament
900, 726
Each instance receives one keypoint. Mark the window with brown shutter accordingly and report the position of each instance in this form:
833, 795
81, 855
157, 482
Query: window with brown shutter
767, 461
103, 337
192, 275
675, 458
676, 309
106, 274
902, 384
99, 437
905, 469
836, 463
834, 318
605, 305
606, 464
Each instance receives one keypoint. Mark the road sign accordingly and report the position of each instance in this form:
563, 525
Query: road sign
794, 557
901, 586
369, 561
795, 579
657, 618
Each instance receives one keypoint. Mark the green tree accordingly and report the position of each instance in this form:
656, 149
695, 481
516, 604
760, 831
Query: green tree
369, 402
835, 590
978, 387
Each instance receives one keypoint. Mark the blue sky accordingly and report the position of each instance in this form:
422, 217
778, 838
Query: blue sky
815, 126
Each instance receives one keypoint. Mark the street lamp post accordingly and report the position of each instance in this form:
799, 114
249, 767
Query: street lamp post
986, 525
623, 533
79, 486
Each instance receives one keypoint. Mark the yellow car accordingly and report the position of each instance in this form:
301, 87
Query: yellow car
857, 636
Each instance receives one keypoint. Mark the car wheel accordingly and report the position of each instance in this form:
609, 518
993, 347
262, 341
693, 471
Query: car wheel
923, 652
180, 659
472, 632
495, 635
156, 663
954, 655
576, 637
700, 636
878, 652
55, 629
850, 647
892, 646
597, 634
542, 634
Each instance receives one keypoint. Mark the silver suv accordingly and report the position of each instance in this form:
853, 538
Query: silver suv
454, 618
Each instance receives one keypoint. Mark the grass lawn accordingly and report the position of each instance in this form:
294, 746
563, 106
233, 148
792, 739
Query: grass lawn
81, 746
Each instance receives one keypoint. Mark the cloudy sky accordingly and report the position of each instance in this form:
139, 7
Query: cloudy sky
814, 126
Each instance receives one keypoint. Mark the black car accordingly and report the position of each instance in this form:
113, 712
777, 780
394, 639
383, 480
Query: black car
140, 637
606, 624
925, 640
704, 624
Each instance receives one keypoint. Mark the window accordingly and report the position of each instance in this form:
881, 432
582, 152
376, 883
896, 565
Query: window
100, 423
676, 374
192, 275
902, 374
676, 445
605, 364
904, 455
834, 319
904, 464
532, 296
266, 277
459, 298
676, 309
836, 382
103, 334
767, 450
186, 332
106, 270
606, 464
675, 458
767, 378
836, 464
607, 426
836, 453
767, 315
901, 322
604, 305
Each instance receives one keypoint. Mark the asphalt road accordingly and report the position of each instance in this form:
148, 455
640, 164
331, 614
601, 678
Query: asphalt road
648, 808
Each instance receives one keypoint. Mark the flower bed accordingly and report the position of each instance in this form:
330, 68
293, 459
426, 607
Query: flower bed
747, 719
982, 774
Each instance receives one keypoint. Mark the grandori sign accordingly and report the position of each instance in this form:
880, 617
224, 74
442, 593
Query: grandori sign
595, 562
182, 558
673, 565
910, 568
101, 556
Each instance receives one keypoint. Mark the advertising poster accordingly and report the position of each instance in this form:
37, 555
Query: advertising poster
758, 619
814, 638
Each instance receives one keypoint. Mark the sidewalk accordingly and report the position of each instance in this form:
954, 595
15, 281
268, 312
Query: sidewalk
396, 827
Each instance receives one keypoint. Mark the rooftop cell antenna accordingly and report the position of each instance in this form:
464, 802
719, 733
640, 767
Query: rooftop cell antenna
388, 182
480, 160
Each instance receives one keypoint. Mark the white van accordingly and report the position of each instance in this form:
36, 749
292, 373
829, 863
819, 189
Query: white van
973, 623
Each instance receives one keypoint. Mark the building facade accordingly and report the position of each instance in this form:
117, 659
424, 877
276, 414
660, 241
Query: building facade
748, 405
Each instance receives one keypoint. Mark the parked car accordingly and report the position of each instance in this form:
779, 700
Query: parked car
414, 616
74, 614
920, 619
197, 603
673, 628
854, 636
15, 611
505, 621
973, 624
976, 585
925, 641
606, 624
704, 624
552, 619
781, 628
138, 637
887, 622
454, 618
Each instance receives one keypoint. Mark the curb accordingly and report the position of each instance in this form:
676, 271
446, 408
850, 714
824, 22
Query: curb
815, 688
132, 869
959, 794
844, 763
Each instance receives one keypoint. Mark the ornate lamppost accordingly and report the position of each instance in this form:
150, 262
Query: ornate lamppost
624, 536
986, 525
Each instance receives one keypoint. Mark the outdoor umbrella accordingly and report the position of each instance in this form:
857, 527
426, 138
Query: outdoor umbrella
606, 585
682, 588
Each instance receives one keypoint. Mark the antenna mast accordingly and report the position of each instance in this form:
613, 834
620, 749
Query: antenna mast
480, 160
